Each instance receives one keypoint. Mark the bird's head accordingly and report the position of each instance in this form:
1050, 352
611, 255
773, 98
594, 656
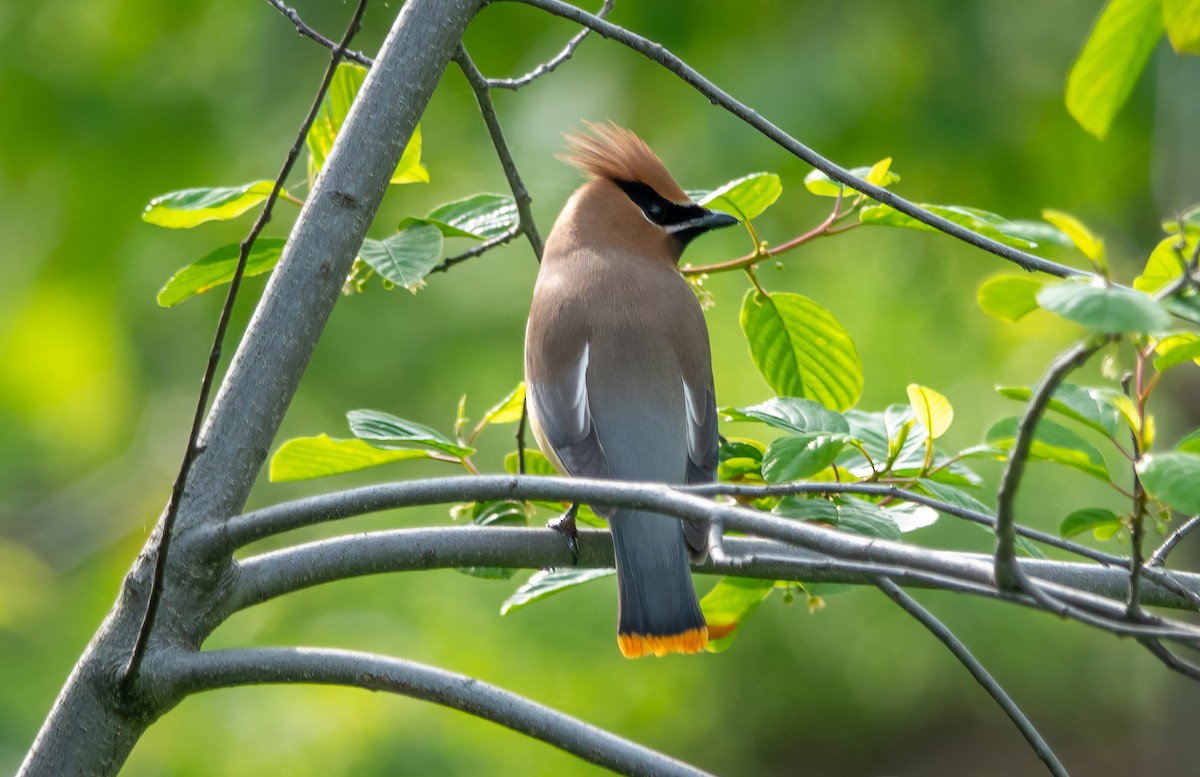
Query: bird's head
630, 198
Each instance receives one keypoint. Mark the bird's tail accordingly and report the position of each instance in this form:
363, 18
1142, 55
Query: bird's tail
659, 612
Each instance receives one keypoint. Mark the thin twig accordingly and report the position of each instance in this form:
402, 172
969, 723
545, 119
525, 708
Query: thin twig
521, 437
167, 524
477, 250
1133, 389
1006, 533
1159, 556
550, 65
486, 109
308, 32
657, 53
981, 675
206, 671
1170, 660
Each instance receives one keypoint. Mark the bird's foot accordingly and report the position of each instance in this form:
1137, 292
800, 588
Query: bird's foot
565, 525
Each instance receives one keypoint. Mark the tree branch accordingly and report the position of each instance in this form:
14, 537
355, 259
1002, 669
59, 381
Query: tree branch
550, 65
195, 672
1159, 556
981, 675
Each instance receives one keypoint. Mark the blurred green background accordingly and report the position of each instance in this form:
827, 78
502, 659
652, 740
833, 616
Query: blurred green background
111, 102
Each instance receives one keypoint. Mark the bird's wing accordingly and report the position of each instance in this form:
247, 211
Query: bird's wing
702, 443
563, 421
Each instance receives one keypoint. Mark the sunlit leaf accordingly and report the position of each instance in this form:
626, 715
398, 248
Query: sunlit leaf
192, 207
822, 185
406, 257
1088, 244
1113, 56
1173, 479
801, 350
1164, 264
800, 456
481, 216
1103, 308
1190, 220
1010, 297
1096, 407
218, 267
536, 463
548, 582
1183, 25
1176, 349
848, 514
933, 410
1095, 519
384, 430
910, 517
1052, 442
974, 219
727, 606
740, 460
791, 414
1190, 443
746, 197
510, 409
347, 80
304, 458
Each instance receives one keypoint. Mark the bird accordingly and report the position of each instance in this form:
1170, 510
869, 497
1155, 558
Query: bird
618, 371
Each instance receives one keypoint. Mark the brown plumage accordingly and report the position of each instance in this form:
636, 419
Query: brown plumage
619, 373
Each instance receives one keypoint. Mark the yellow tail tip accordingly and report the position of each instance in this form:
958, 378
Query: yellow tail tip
638, 645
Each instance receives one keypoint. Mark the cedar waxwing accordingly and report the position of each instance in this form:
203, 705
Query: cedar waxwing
619, 374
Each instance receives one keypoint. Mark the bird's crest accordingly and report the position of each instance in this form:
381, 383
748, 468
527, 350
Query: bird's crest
615, 153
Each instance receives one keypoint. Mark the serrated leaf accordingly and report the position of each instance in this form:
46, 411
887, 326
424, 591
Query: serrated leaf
1096, 407
727, 606
800, 456
1009, 297
1094, 519
1104, 309
1164, 264
820, 184
508, 410
1052, 442
1176, 349
791, 414
481, 216
191, 207
980, 221
746, 197
1080, 236
801, 350
406, 257
548, 582
304, 458
1182, 19
933, 411
384, 430
1113, 56
217, 268
343, 88
1173, 479
847, 514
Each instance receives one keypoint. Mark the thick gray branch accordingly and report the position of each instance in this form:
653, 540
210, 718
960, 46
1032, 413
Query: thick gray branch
195, 672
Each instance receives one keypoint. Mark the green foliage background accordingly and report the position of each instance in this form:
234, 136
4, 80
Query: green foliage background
111, 102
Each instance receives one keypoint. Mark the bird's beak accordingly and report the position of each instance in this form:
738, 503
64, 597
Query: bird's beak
709, 219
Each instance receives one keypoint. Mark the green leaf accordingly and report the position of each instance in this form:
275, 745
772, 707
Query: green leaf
384, 430
1111, 61
1095, 519
956, 496
791, 414
822, 185
933, 411
347, 80
1164, 264
847, 514
727, 606
1176, 349
801, 350
217, 268
910, 517
482, 217
1105, 309
801, 456
406, 257
548, 582
192, 207
980, 221
1190, 219
1009, 297
1052, 442
1080, 236
745, 197
1173, 479
1190, 443
304, 458
740, 460
536, 463
1095, 407
510, 409
1183, 25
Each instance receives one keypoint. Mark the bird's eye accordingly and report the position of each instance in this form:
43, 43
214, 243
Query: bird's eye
655, 210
